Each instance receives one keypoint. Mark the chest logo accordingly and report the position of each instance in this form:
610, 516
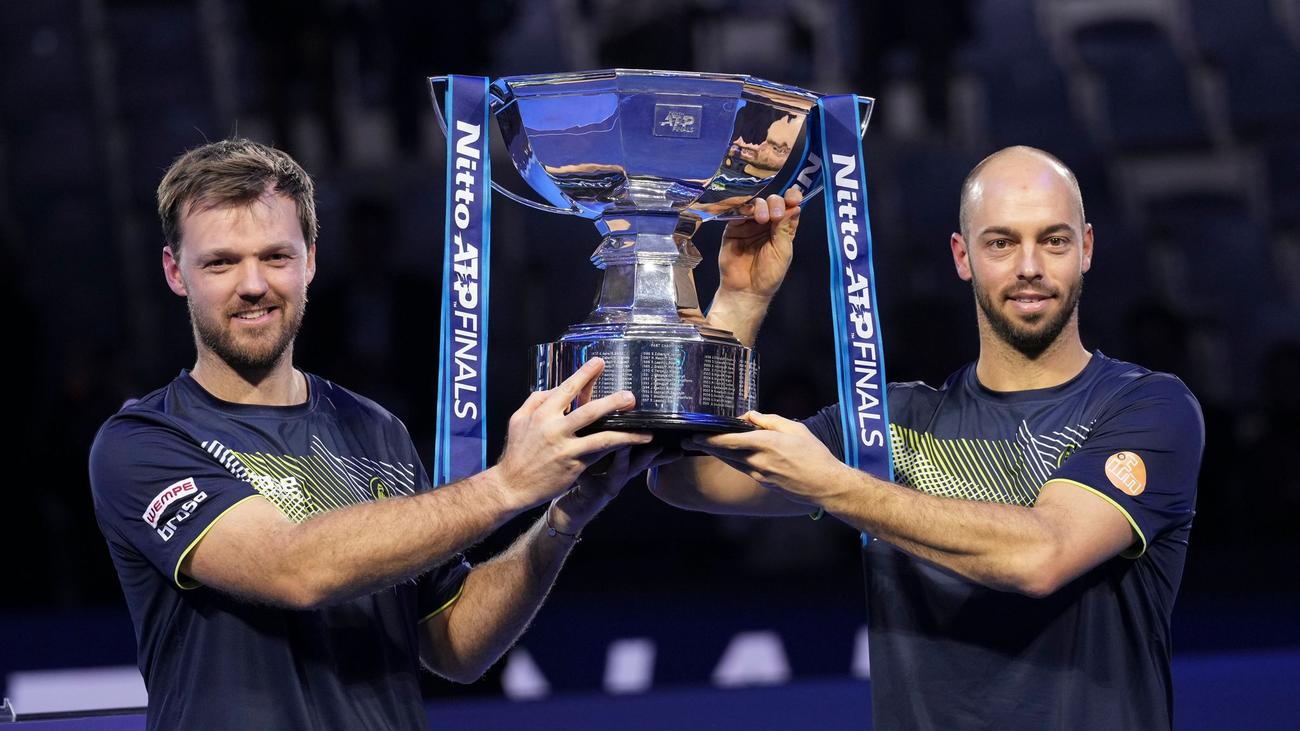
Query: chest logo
1128, 472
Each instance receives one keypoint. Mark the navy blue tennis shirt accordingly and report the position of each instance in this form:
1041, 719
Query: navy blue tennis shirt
166, 467
947, 653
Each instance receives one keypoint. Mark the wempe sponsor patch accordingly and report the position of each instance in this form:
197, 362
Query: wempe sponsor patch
169, 495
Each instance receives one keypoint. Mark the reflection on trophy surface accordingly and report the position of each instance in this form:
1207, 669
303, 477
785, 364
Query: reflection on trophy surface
768, 154
649, 156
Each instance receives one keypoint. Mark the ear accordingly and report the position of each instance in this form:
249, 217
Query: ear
960, 256
172, 272
1087, 246
311, 262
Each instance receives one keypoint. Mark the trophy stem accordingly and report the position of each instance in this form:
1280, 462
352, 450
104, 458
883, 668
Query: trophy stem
685, 374
647, 261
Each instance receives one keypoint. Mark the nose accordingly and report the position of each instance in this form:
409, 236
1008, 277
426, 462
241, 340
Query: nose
1029, 263
252, 283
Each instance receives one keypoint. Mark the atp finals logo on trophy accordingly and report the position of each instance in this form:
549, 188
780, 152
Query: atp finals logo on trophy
648, 156
681, 120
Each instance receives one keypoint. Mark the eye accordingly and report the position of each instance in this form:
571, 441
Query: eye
999, 244
216, 264
1057, 241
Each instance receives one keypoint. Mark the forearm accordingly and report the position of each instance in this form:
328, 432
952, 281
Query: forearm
1007, 547
707, 484
499, 601
253, 550
363, 548
740, 312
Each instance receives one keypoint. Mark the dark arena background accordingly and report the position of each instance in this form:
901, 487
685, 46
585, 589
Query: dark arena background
1181, 119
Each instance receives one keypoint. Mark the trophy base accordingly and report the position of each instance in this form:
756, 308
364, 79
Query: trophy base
668, 426
668, 432
684, 380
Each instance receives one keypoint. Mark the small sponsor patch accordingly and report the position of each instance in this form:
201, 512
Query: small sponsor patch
183, 514
169, 495
1128, 472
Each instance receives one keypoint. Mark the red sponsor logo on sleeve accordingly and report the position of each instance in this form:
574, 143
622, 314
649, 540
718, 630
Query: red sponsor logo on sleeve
169, 495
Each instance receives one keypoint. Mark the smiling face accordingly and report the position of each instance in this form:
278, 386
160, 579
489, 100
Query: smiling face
1024, 248
244, 271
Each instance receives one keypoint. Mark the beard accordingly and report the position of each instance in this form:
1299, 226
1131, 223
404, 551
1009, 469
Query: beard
1034, 334
257, 351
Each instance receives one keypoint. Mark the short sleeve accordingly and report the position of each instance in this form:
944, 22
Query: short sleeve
825, 425
1143, 455
158, 492
441, 587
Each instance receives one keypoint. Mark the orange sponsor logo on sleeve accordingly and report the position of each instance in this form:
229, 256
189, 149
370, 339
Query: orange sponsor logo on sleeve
1128, 472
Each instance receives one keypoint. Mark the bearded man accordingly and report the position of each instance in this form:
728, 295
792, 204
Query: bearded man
1022, 569
284, 559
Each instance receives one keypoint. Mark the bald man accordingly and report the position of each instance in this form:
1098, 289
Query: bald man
1021, 571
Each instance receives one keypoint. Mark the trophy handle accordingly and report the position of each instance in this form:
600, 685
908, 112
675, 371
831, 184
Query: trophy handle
534, 204
866, 104
436, 93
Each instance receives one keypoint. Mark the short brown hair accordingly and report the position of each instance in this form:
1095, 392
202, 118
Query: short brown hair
232, 172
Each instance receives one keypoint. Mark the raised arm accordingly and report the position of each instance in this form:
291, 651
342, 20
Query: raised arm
752, 262
709, 485
254, 551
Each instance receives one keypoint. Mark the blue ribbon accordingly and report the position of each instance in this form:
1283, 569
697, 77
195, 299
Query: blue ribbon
859, 351
461, 446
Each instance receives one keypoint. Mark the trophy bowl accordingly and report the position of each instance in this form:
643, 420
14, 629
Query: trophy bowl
649, 156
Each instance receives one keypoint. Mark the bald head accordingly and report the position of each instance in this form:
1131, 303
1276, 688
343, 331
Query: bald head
1014, 163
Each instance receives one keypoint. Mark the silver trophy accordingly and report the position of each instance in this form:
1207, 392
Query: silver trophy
649, 156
